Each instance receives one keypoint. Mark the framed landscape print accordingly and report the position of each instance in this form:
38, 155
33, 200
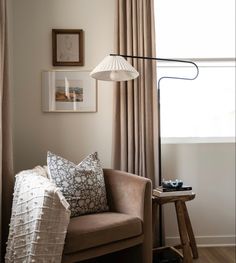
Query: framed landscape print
67, 47
68, 91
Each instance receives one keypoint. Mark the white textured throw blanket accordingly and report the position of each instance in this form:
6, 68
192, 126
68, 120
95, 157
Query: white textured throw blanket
39, 220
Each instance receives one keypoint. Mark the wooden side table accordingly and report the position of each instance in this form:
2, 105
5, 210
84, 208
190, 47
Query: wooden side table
188, 243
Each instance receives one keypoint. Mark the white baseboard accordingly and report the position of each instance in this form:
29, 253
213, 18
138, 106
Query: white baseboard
206, 241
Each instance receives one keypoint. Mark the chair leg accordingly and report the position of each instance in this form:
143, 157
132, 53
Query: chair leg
190, 232
154, 225
187, 256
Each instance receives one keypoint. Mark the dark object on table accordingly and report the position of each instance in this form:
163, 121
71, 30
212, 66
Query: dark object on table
172, 184
182, 188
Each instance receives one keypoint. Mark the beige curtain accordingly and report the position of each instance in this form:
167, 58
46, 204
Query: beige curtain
6, 163
135, 113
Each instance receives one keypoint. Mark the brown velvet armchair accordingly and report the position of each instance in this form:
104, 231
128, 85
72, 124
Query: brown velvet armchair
127, 224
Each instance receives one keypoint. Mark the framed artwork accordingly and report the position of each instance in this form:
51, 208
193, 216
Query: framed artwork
67, 47
68, 91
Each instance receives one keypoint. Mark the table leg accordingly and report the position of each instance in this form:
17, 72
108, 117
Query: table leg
187, 256
190, 232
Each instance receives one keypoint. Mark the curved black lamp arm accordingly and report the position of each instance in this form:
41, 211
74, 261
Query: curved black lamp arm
167, 60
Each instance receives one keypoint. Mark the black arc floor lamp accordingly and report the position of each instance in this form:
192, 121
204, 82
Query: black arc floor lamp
115, 68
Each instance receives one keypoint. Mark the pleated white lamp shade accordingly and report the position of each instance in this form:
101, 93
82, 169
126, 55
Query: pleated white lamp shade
114, 68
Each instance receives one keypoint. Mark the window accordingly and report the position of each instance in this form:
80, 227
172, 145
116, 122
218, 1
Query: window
204, 32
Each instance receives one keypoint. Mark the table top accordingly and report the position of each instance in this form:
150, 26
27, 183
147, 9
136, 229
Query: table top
173, 198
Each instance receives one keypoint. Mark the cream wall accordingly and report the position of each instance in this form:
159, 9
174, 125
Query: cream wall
210, 169
74, 135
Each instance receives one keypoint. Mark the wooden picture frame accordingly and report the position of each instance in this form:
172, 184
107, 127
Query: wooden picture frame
68, 47
68, 91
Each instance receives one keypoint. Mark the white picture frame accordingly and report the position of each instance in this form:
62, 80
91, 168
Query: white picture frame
68, 91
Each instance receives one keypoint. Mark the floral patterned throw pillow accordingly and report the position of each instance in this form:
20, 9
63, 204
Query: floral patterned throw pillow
82, 185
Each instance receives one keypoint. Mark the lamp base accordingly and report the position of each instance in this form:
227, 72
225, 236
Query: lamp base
166, 256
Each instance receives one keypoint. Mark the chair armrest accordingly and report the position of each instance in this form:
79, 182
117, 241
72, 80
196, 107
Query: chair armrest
128, 193
132, 194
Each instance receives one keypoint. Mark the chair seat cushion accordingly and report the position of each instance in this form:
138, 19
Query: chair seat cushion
93, 230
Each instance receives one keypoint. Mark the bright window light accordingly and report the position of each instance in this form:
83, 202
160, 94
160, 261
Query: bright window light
202, 30
195, 28
204, 107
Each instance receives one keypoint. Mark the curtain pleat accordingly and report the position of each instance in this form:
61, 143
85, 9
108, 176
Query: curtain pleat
135, 108
135, 138
6, 164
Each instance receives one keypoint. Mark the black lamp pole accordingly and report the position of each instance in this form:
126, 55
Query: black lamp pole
159, 114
